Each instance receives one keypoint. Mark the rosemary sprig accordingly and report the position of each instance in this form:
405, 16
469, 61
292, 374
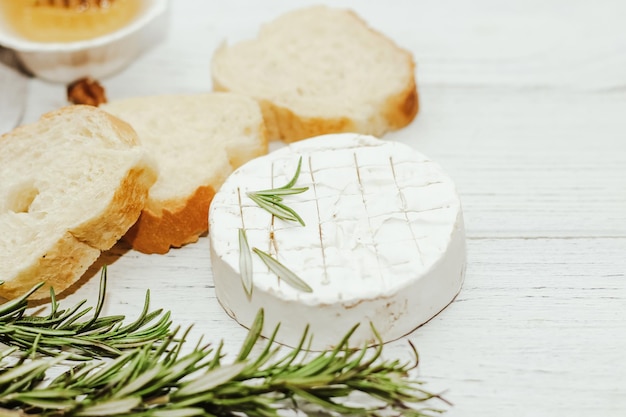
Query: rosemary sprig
271, 199
245, 263
65, 330
157, 380
282, 272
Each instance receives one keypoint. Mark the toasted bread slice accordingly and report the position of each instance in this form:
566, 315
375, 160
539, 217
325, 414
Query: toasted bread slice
321, 70
71, 185
197, 141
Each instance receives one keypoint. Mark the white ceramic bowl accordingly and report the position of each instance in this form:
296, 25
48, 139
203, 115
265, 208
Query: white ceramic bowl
99, 57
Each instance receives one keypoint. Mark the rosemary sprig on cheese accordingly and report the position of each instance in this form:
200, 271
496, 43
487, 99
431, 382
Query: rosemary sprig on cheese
282, 272
245, 262
271, 200
66, 330
158, 380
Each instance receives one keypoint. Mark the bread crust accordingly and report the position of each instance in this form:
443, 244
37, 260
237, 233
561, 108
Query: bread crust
123, 211
287, 124
400, 110
284, 124
64, 262
62, 265
67, 260
181, 218
156, 232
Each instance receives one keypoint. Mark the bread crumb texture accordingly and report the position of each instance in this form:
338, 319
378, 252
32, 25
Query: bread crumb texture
321, 70
197, 141
71, 184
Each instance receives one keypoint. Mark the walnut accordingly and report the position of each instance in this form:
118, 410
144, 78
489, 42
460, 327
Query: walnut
86, 91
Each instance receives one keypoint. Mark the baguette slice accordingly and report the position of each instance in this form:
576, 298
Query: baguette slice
197, 141
320, 70
71, 185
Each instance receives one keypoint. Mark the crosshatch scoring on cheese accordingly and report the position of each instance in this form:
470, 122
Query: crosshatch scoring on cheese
383, 240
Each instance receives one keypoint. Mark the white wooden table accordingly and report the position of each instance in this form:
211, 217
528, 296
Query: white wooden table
524, 105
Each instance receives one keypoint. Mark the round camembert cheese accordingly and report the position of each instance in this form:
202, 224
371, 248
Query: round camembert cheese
383, 242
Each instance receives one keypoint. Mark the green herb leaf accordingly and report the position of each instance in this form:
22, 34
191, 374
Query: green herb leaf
245, 263
276, 208
211, 379
279, 192
282, 272
110, 408
271, 200
155, 379
253, 336
64, 330
293, 180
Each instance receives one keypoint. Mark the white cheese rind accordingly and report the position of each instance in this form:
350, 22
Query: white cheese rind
384, 241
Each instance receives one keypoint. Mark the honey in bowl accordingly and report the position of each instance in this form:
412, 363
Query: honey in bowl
67, 20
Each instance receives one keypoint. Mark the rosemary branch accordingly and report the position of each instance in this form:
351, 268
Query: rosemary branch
157, 379
66, 330
280, 270
272, 200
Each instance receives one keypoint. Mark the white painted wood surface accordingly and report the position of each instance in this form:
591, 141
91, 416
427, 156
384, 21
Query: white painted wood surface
524, 104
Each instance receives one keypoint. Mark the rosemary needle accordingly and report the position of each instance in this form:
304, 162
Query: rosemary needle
282, 271
159, 381
152, 377
63, 330
245, 263
271, 199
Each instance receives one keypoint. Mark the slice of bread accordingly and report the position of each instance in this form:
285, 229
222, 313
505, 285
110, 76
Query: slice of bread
71, 185
197, 141
321, 70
